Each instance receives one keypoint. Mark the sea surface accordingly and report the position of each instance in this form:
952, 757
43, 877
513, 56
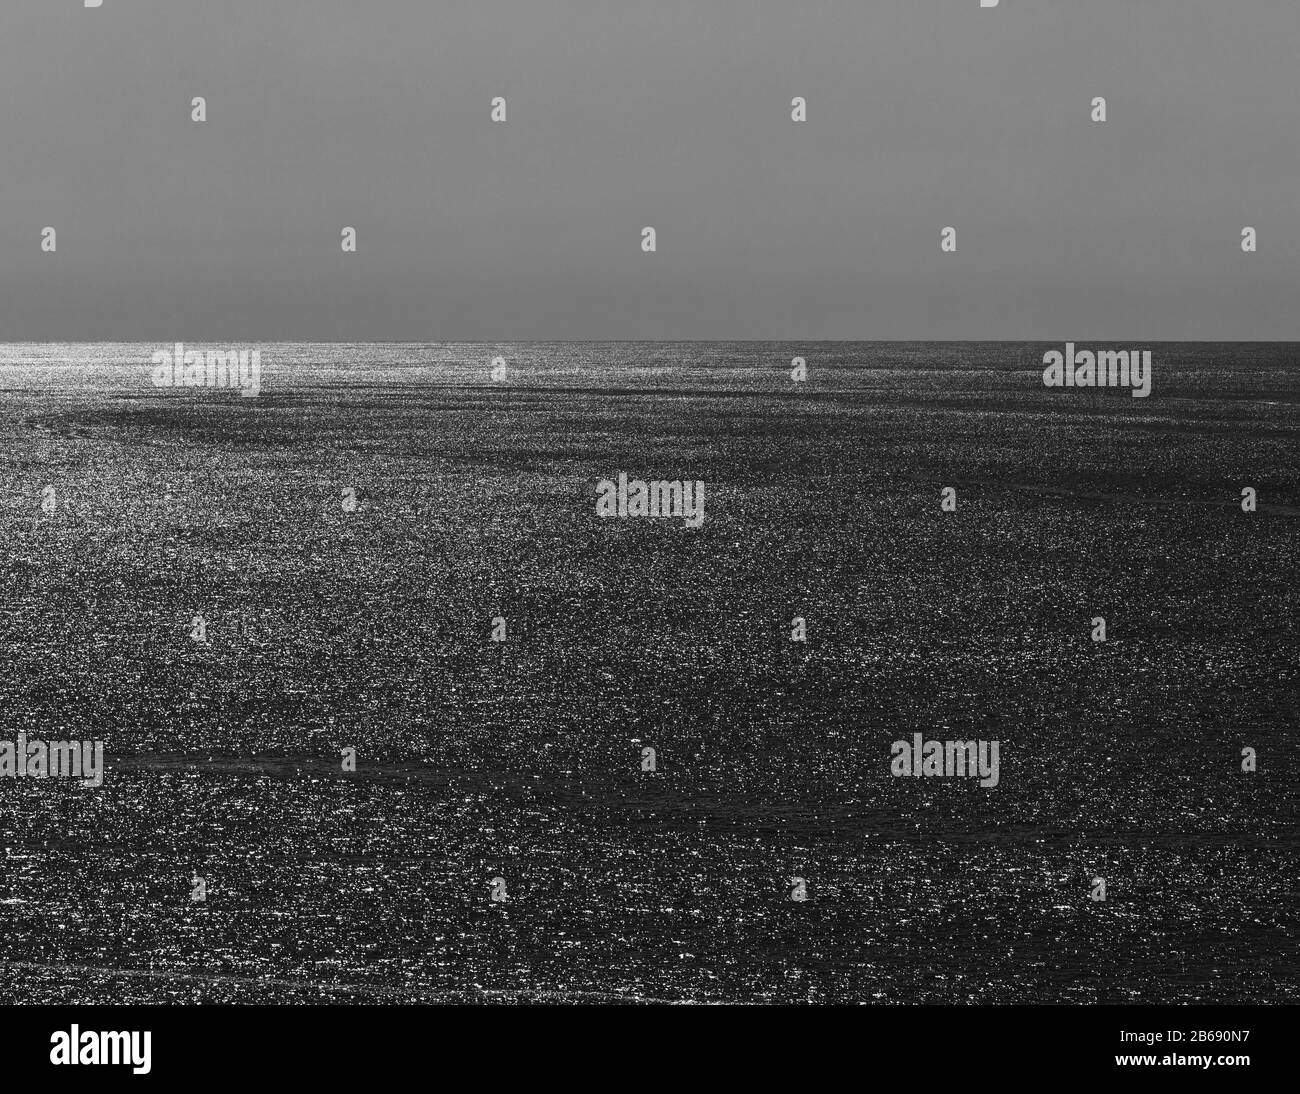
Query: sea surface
522, 760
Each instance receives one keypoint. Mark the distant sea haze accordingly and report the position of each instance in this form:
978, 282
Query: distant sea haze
1232, 369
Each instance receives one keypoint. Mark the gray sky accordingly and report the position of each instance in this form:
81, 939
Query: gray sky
673, 113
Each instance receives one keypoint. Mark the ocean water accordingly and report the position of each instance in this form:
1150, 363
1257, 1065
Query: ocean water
328, 629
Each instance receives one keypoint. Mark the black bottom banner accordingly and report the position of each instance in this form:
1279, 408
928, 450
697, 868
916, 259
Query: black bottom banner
97, 1044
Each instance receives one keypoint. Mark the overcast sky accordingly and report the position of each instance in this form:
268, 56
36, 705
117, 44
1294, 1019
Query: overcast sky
922, 114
